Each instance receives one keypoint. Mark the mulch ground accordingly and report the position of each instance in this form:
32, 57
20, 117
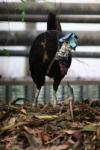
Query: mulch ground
46, 128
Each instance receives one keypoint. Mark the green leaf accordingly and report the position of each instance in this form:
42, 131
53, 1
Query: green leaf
22, 1
22, 9
6, 52
90, 127
50, 7
15, 148
47, 117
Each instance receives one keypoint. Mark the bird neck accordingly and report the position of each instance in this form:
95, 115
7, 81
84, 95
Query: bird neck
64, 51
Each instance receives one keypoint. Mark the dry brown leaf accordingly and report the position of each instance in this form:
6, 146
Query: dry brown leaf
28, 130
23, 111
43, 134
59, 147
2, 114
9, 125
98, 133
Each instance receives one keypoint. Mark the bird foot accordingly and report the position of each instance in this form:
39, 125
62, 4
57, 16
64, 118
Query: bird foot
45, 107
35, 106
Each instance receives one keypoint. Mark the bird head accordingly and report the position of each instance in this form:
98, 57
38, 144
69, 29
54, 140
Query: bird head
71, 39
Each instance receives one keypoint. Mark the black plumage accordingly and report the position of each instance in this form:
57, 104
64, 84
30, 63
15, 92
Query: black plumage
53, 22
42, 60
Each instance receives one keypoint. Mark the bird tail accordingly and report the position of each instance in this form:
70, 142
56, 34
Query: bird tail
53, 22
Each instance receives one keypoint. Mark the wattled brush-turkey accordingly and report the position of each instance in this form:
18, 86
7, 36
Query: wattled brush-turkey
50, 55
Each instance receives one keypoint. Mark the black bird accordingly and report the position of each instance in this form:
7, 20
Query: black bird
47, 58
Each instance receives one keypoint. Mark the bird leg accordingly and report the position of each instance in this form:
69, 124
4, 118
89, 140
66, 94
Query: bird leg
35, 103
71, 100
55, 87
55, 98
71, 90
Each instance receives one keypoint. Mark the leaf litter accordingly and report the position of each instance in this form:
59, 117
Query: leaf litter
46, 128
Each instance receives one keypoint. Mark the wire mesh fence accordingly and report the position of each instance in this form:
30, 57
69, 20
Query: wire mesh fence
81, 92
